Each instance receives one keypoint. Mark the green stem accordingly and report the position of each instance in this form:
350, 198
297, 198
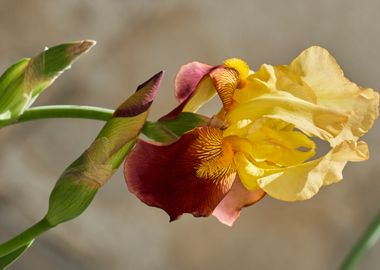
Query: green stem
366, 242
24, 238
65, 111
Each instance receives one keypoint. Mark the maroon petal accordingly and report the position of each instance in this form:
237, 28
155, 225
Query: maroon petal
238, 197
188, 78
169, 177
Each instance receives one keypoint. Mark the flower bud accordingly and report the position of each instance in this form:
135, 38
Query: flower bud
79, 183
24, 81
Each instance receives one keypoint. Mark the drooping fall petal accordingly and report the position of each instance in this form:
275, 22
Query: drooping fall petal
303, 181
191, 175
228, 210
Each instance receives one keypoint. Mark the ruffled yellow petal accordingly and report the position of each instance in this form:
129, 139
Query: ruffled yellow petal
303, 181
323, 122
315, 78
316, 69
346, 151
363, 113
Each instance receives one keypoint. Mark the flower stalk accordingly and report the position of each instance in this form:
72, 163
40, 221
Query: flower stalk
25, 238
163, 130
65, 111
369, 238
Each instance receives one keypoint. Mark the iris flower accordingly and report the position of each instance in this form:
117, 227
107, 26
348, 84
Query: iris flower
261, 142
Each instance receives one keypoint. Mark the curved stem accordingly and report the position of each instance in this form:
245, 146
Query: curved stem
161, 131
24, 238
65, 111
366, 242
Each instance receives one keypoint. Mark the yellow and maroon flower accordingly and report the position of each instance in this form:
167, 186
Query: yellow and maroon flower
260, 142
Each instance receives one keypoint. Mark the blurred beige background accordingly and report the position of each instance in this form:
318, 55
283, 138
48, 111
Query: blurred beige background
135, 40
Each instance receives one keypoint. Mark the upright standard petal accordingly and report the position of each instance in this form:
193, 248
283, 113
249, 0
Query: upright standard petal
188, 77
311, 118
193, 88
191, 175
316, 69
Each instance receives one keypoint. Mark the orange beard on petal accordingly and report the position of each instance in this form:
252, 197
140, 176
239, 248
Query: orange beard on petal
225, 80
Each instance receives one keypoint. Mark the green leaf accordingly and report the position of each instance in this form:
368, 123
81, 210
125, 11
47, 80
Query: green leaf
166, 131
24, 81
7, 260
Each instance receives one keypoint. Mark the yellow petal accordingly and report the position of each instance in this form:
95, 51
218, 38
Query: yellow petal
248, 172
364, 112
255, 85
292, 83
273, 142
308, 117
303, 181
317, 69
204, 92
316, 78
240, 128
346, 151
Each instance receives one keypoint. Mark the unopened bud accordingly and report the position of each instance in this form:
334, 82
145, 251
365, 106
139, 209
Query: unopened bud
24, 81
79, 183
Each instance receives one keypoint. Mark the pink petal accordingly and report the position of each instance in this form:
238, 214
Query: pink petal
188, 78
228, 210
